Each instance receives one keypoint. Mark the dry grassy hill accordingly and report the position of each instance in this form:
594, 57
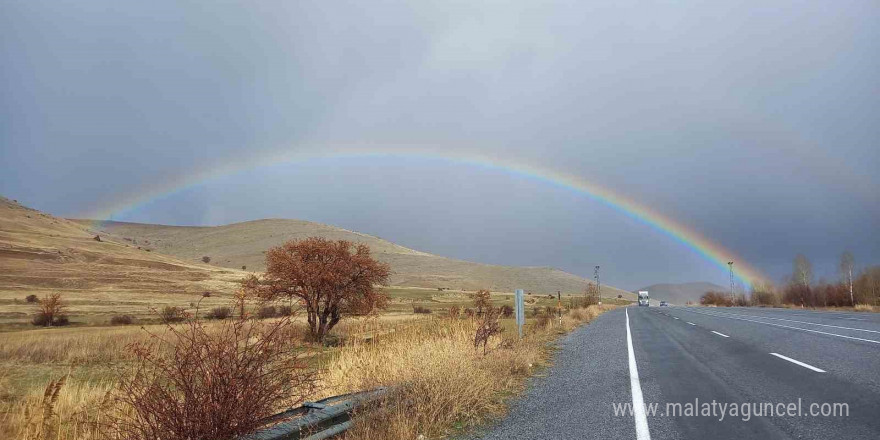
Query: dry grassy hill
41, 254
244, 244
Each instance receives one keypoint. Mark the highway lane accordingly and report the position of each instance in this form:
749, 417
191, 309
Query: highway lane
686, 355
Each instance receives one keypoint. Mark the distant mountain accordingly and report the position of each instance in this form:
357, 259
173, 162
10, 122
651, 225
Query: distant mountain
680, 293
243, 245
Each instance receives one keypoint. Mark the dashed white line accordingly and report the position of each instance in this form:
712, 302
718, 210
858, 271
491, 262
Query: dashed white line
808, 366
691, 323
720, 334
638, 407
674, 317
790, 327
803, 322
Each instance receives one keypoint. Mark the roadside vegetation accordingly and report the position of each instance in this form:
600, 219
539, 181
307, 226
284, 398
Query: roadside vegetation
451, 359
856, 290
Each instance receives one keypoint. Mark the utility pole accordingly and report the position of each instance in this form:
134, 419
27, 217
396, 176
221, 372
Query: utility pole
598, 286
730, 265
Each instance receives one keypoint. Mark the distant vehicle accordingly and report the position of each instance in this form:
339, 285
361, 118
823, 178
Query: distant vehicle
663, 304
643, 298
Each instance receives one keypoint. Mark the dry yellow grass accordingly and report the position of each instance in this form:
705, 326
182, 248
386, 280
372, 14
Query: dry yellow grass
440, 381
864, 308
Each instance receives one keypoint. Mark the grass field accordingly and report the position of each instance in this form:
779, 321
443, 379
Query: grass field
87, 352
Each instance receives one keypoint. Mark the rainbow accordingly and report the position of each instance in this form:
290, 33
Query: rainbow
693, 240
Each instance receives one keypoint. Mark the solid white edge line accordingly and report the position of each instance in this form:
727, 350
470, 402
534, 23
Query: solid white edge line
794, 361
691, 323
720, 334
641, 420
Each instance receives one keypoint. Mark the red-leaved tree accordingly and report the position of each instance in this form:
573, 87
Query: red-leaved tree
330, 279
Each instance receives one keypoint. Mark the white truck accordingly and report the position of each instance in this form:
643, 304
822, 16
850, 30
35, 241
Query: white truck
643, 298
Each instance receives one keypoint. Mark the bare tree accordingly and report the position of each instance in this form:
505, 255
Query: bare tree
329, 278
803, 271
847, 265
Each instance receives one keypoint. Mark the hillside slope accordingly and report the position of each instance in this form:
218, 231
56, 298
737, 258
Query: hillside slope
42, 254
244, 245
681, 293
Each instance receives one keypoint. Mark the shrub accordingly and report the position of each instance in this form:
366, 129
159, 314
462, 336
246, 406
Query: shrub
712, 298
122, 320
543, 320
454, 312
267, 312
421, 310
764, 298
487, 327
31, 298
206, 259
285, 311
50, 311
482, 300
506, 311
171, 314
206, 295
469, 312
192, 382
243, 267
619, 296
219, 313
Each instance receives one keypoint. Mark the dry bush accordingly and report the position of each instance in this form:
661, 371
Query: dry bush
51, 311
171, 314
712, 298
764, 295
864, 308
506, 311
206, 259
454, 311
482, 301
199, 383
487, 327
543, 319
468, 312
267, 312
31, 298
219, 313
122, 320
285, 311
421, 310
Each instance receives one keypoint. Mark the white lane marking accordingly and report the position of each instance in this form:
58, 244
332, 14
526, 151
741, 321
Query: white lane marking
818, 370
790, 327
641, 419
691, 323
720, 334
674, 317
802, 322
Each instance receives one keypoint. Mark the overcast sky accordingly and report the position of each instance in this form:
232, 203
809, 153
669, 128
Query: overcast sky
755, 123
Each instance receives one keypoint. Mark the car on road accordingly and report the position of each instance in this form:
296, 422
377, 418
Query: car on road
663, 304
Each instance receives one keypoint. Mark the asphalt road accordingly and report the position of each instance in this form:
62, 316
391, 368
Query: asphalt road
779, 366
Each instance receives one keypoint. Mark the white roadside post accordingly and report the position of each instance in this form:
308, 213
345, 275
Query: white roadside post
520, 311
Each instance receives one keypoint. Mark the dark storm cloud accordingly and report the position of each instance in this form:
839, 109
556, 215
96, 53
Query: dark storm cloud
755, 124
